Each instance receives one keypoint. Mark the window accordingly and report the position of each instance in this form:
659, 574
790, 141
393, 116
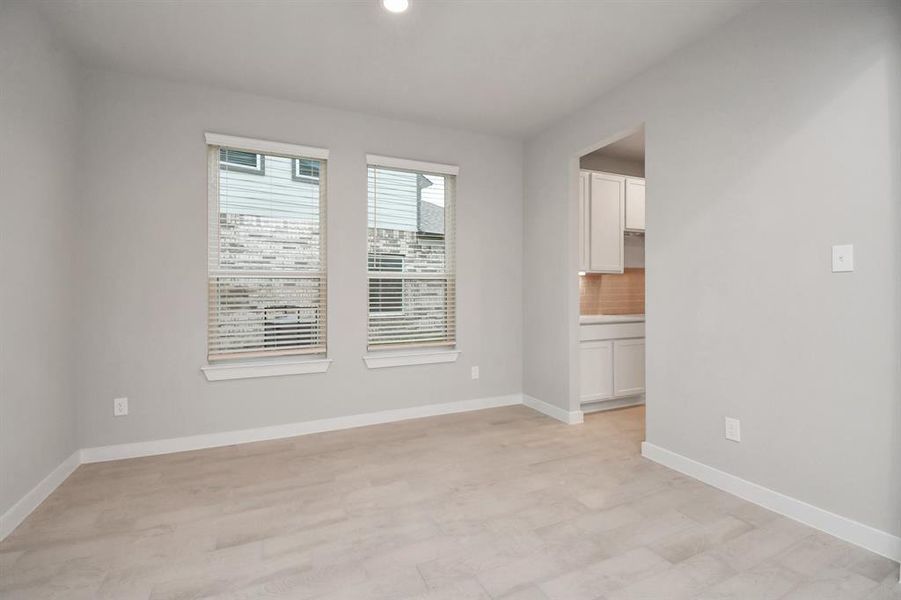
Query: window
241, 161
429, 214
386, 295
306, 170
267, 260
411, 269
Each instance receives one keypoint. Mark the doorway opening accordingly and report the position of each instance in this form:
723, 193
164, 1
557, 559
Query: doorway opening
611, 273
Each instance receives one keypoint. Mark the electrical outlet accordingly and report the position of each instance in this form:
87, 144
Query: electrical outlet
475, 372
733, 429
120, 407
843, 258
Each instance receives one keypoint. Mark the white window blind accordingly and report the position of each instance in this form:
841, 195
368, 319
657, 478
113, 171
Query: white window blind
267, 258
411, 267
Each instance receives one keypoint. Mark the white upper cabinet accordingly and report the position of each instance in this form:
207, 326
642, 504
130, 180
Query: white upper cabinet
584, 235
634, 204
609, 205
606, 209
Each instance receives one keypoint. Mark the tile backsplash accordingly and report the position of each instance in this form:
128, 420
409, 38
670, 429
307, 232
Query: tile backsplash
613, 293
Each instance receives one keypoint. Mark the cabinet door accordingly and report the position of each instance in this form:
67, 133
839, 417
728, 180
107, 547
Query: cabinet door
628, 367
584, 191
635, 204
607, 218
596, 361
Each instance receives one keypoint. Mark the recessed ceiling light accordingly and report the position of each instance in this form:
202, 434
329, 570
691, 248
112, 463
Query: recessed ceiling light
396, 6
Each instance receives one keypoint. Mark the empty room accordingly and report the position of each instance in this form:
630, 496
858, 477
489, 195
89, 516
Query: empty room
450, 299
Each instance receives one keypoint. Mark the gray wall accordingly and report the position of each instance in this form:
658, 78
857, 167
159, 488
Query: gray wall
37, 205
142, 331
770, 140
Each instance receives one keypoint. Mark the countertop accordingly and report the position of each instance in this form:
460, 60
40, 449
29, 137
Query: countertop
594, 319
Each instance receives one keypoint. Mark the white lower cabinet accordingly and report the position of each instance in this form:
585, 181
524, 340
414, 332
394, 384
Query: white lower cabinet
628, 367
612, 362
597, 370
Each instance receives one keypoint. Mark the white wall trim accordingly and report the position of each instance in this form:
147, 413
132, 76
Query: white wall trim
265, 369
572, 417
402, 359
265, 146
601, 405
872, 539
411, 165
17, 513
274, 432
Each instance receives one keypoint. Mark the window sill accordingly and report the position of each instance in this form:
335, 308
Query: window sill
247, 370
403, 359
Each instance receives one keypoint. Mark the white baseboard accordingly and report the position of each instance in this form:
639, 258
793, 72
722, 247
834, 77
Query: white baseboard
603, 405
274, 432
872, 539
572, 417
17, 513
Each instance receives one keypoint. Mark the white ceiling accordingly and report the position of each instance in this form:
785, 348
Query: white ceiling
507, 67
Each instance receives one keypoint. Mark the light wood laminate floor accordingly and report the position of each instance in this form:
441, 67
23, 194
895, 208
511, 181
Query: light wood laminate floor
502, 503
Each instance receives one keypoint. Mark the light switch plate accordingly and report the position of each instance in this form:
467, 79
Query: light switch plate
843, 258
733, 429
120, 407
475, 372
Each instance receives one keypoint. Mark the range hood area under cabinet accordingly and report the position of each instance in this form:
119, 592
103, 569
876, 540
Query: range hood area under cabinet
609, 206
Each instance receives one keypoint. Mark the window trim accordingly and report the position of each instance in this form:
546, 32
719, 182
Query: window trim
265, 146
265, 368
406, 164
381, 359
260, 361
440, 348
